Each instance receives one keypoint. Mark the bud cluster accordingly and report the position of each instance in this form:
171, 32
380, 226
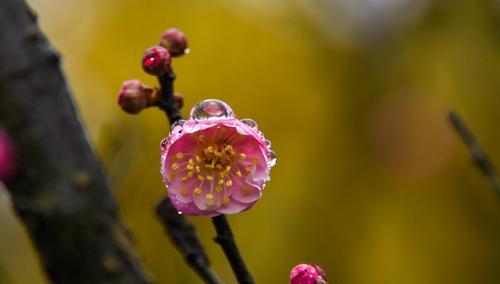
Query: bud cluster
134, 96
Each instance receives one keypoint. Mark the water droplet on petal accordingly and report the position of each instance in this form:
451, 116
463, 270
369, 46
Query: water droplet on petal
272, 158
179, 122
211, 108
163, 143
268, 144
249, 122
179, 212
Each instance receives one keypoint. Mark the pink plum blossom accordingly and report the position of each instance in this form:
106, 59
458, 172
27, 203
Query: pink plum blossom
214, 163
308, 274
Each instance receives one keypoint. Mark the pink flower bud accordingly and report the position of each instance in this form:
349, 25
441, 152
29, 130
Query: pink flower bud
133, 96
175, 41
214, 163
8, 160
156, 60
308, 274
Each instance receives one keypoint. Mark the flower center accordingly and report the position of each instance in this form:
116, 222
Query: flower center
217, 156
213, 169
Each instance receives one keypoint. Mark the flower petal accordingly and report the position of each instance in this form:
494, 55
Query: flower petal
245, 192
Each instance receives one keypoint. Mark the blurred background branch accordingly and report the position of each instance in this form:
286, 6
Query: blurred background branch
479, 157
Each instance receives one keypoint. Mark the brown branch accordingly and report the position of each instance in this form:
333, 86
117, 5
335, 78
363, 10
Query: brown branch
479, 157
60, 192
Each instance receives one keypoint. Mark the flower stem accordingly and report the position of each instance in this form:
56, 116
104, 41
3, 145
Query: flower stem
167, 101
226, 240
182, 233
478, 155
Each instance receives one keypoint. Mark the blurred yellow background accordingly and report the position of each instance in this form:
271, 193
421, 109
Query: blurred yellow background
371, 183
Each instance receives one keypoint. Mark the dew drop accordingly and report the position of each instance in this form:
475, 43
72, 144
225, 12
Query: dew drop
249, 122
268, 144
179, 122
163, 143
272, 158
210, 109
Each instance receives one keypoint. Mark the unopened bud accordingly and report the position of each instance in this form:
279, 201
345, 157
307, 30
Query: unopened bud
156, 61
175, 41
133, 96
308, 274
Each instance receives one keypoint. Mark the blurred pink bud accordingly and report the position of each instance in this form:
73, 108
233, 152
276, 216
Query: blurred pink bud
156, 60
308, 274
214, 163
133, 96
8, 160
175, 41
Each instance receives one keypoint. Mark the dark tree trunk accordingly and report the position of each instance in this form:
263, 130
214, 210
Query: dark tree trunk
60, 192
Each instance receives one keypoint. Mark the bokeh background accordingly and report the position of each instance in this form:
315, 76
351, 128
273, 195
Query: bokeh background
371, 183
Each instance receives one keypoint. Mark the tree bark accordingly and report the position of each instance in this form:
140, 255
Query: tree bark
59, 192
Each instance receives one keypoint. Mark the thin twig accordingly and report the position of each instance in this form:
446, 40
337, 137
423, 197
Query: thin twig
167, 102
226, 240
479, 157
182, 233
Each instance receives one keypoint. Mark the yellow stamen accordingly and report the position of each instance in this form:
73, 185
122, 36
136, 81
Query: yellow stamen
198, 159
184, 179
248, 169
197, 191
255, 161
171, 176
218, 188
243, 156
175, 166
209, 196
218, 166
190, 167
210, 177
238, 173
244, 191
190, 174
209, 166
228, 168
220, 181
179, 155
226, 201
197, 169
229, 183
209, 150
184, 191
200, 177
